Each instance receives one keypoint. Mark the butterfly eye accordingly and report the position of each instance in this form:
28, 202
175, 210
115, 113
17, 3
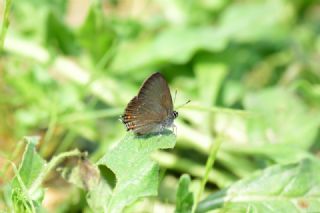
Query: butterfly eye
175, 114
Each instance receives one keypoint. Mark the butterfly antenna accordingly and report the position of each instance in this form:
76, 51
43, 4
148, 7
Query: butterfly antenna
175, 95
183, 104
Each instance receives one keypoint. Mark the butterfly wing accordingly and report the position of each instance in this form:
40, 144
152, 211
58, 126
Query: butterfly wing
150, 107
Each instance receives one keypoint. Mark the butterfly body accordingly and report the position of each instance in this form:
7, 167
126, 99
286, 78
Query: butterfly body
151, 111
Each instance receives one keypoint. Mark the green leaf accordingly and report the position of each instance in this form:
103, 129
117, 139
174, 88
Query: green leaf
95, 24
32, 164
209, 77
59, 35
240, 17
280, 188
25, 191
269, 132
184, 199
86, 175
310, 91
136, 174
25, 13
176, 45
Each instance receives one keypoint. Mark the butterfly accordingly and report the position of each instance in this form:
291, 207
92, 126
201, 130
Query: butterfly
151, 111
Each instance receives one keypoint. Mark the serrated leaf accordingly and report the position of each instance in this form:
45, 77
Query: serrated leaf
280, 188
184, 201
136, 174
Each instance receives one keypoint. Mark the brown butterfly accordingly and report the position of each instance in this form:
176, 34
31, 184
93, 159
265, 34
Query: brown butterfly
151, 111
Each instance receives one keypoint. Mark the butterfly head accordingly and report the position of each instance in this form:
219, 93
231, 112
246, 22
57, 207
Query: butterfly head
175, 114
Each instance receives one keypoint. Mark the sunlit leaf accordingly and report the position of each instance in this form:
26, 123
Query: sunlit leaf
281, 188
136, 174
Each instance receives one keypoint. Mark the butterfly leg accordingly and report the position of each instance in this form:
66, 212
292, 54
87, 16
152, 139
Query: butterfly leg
174, 129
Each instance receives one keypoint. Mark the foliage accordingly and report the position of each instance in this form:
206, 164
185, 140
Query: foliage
184, 201
291, 187
26, 191
136, 175
250, 69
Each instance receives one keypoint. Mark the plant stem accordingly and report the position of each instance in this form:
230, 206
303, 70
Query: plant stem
170, 161
84, 116
53, 163
24, 188
213, 153
5, 23
238, 112
50, 131
12, 156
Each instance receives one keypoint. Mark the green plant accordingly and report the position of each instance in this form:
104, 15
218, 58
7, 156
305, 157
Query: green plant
248, 140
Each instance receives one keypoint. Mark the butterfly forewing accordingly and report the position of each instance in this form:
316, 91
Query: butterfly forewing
155, 93
150, 107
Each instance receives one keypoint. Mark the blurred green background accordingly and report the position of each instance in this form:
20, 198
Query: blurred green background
250, 68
